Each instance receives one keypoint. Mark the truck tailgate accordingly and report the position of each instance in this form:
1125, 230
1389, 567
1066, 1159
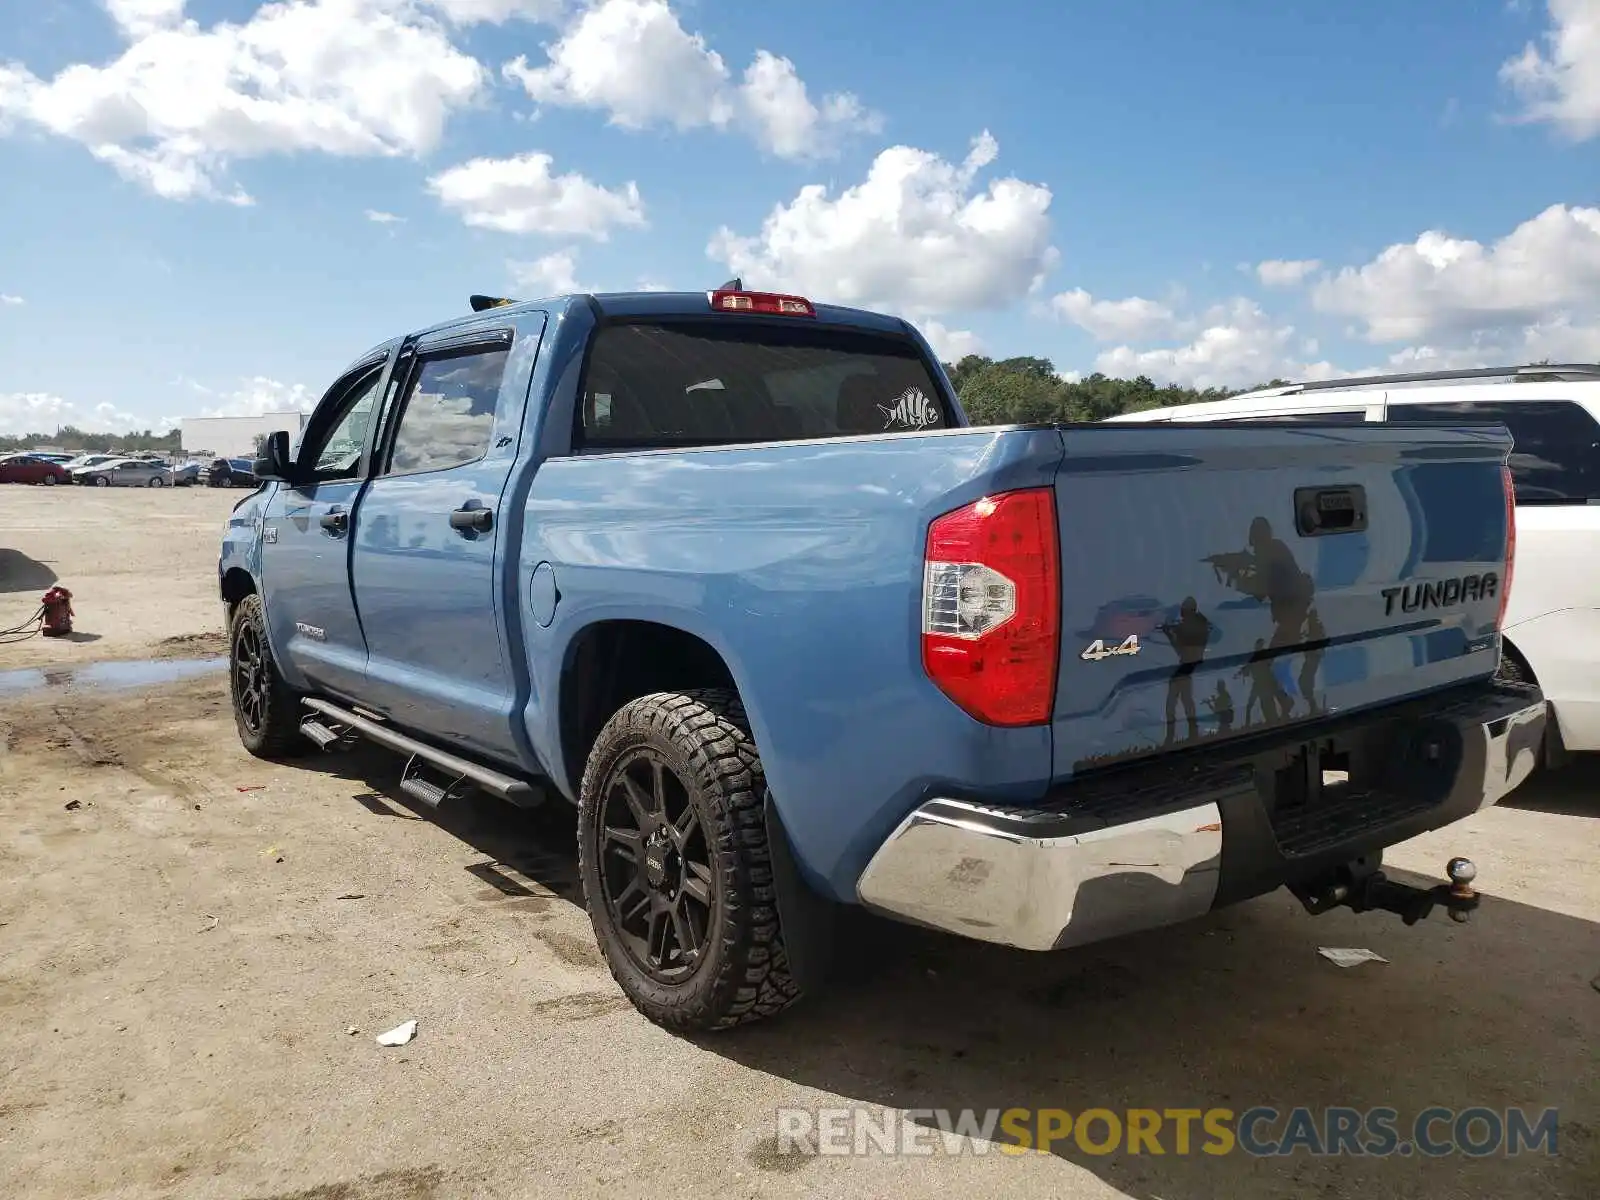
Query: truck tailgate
1218, 581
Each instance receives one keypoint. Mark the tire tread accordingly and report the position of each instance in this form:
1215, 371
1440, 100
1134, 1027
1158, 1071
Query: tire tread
752, 980
281, 739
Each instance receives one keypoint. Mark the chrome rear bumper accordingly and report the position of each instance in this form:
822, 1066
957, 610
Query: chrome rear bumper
1042, 880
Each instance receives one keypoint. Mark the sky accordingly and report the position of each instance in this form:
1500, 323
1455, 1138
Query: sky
212, 206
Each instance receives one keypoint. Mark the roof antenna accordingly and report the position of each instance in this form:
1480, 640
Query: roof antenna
733, 285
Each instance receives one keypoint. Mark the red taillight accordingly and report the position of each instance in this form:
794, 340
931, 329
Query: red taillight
991, 600
1511, 545
762, 302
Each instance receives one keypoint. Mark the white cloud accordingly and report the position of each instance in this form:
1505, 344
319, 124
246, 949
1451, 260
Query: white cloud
256, 395
1560, 339
918, 236
634, 60
553, 275
355, 78
522, 195
1239, 346
951, 345
497, 12
1545, 270
785, 121
23, 413
10, 301
139, 17
1561, 83
1285, 272
1134, 319
379, 217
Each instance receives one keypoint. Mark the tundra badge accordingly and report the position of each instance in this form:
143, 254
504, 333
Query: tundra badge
1441, 593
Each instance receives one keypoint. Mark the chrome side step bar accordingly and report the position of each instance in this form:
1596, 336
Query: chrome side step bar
515, 791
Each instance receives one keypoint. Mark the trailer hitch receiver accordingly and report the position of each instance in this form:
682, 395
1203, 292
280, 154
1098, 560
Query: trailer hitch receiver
1361, 886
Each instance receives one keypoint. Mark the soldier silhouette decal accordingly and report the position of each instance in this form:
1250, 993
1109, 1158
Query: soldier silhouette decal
1267, 571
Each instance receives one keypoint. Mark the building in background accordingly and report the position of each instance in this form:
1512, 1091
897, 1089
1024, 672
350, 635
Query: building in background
235, 437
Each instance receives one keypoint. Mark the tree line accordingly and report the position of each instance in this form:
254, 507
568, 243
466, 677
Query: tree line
71, 439
1026, 389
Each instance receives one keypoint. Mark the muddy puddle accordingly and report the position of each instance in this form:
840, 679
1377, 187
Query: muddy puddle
108, 675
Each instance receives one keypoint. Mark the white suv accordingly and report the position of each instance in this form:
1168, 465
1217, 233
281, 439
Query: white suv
1552, 627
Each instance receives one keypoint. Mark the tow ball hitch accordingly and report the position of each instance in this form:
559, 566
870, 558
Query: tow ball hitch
1362, 886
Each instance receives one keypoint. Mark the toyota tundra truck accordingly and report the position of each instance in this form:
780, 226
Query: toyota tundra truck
730, 572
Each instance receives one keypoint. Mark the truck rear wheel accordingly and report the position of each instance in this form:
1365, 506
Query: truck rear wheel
677, 875
265, 710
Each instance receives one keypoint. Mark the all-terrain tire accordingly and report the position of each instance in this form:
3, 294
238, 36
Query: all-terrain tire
742, 974
266, 711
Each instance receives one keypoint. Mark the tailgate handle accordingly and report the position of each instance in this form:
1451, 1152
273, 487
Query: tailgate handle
1327, 510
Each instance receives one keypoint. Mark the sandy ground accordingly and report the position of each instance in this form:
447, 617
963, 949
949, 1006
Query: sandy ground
184, 951
141, 564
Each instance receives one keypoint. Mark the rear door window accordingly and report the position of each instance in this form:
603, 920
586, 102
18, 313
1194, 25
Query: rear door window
1556, 455
696, 383
447, 412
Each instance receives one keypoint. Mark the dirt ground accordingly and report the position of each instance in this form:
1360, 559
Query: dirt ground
188, 937
141, 564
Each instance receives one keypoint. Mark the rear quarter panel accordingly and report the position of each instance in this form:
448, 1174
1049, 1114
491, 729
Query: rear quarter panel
801, 564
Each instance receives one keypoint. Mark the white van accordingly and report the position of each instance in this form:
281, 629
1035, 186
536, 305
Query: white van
1552, 629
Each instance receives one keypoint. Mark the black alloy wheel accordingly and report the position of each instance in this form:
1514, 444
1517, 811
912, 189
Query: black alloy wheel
655, 866
677, 873
265, 710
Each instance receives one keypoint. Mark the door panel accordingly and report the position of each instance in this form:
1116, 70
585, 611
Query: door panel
424, 561
305, 548
313, 617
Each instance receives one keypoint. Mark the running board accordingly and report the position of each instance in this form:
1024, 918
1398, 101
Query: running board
516, 791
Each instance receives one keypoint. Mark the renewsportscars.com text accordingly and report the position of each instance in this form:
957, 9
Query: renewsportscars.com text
1260, 1131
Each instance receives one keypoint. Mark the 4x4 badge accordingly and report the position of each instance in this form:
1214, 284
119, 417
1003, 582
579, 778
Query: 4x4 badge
1097, 649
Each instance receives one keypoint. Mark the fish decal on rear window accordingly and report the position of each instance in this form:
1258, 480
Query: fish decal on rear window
911, 409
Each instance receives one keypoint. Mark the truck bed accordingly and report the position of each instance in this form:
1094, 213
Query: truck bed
801, 564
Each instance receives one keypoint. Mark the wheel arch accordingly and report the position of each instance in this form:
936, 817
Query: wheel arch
1515, 668
237, 583
611, 661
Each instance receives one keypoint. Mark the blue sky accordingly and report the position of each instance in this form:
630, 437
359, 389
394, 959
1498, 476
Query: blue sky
213, 206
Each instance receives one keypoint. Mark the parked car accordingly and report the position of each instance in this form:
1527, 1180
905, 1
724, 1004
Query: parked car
185, 474
30, 468
231, 472
1552, 625
85, 461
125, 472
730, 573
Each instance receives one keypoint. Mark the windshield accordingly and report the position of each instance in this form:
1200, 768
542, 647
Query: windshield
708, 383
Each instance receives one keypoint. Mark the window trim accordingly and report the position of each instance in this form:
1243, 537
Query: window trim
413, 356
345, 388
1305, 416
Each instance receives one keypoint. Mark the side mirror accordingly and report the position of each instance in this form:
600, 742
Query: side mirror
276, 463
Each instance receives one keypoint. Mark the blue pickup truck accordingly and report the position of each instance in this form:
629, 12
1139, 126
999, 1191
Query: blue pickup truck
730, 572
